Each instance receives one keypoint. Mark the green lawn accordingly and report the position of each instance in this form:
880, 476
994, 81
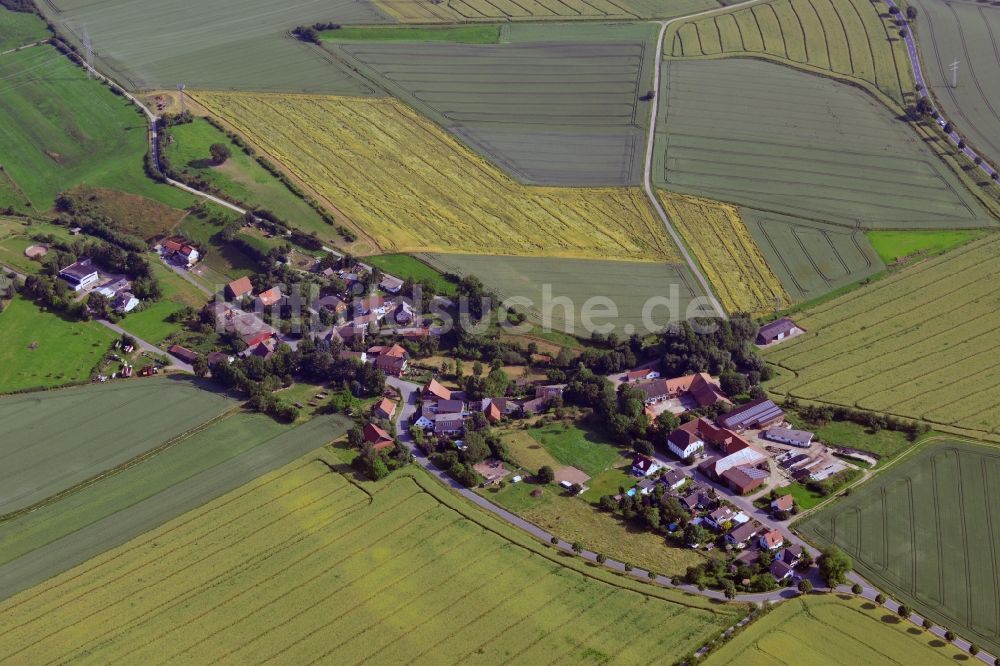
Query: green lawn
460, 34
804, 498
59, 129
151, 323
240, 177
884, 443
41, 350
572, 444
19, 28
894, 245
406, 267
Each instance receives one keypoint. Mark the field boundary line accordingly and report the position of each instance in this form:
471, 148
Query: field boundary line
122, 575
128, 464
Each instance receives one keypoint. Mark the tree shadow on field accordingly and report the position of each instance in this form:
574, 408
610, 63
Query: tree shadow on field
936, 643
844, 597
205, 384
869, 606
890, 619
961, 657
914, 631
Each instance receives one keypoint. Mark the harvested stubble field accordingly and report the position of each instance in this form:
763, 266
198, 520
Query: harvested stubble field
813, 258
301, 566
920, 343
627, 284
547, 112
970, 32
129, 213
853, 38
201, 466
460, 11
57, 439
801, 145
225, 45
829, 631
59, 129
925, 532
727, 252
412, 187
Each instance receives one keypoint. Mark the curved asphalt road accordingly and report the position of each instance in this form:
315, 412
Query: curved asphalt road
651, 140
922, 89
410, 397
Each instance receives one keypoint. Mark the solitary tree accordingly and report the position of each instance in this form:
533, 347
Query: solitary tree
857, 589
545, 474
904, 611
949, 635
219, 152
834, 565
880, 598
805, 587
554, 541
911, 13
927, 623
973, 649
577, 547
601, 559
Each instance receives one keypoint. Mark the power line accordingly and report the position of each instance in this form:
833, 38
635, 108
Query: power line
953, 67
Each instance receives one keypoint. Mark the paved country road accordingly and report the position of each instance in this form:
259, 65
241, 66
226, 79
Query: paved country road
651, 140
922, 89
410, 400
152, 349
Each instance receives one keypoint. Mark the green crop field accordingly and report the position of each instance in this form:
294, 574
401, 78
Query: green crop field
852, 38
571, 115
788, 147
459, 34
59, 129
812, 258
464, 11
58, 439
225, 45
41, 350
920, 343
923, 531
302, 565
406, 267
19, 28
629, 285
892, 246
199, 467
829, 631
240, 178
969, 32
